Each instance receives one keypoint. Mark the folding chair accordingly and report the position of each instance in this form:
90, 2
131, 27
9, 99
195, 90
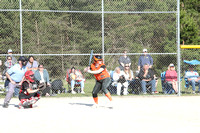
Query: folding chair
166, 87
77, 87
112, 88
188, 84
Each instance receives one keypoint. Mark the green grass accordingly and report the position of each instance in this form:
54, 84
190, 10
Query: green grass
89, 84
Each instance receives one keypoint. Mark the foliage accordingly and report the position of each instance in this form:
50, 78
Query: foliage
77, 33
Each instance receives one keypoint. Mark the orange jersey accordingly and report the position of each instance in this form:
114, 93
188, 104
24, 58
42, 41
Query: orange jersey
104, 74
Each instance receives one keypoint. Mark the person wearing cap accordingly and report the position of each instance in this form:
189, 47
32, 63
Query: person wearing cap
171, 77
16, 76
98, 69
10, 52
193, 78
145, 59
124, 60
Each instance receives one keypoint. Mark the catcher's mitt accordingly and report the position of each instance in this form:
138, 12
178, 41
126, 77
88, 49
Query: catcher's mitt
42, 86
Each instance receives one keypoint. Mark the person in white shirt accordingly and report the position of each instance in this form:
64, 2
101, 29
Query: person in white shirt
120, 78
193, 78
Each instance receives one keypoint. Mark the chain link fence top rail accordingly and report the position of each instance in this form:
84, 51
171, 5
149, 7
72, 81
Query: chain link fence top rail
60, 34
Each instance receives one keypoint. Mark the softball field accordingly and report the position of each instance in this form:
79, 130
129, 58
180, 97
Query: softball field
139, 114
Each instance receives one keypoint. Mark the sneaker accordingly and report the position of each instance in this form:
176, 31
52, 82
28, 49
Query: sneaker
95, 106
156, 92
5, 105
73, 92
82, 92
193, 92
47, 95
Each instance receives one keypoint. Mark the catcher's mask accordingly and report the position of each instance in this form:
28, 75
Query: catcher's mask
97, 59
29, 75
23, 60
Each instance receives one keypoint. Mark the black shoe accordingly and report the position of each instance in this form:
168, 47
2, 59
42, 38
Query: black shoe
5, 105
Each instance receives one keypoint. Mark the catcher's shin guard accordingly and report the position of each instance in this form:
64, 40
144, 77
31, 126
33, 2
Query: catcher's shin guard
23, 103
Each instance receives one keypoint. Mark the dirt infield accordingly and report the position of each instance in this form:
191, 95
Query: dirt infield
148, 114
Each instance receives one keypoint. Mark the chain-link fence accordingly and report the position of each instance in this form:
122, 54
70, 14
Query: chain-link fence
61, 34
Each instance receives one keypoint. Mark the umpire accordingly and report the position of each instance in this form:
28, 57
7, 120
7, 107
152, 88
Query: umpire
16, 76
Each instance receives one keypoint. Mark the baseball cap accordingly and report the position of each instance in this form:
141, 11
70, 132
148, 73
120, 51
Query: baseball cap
9, 50
22, 58
144, 50
171, 65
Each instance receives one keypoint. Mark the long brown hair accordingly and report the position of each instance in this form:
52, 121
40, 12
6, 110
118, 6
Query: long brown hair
129, 71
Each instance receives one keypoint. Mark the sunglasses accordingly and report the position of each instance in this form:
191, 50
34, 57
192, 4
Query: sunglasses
31, 75
126, 66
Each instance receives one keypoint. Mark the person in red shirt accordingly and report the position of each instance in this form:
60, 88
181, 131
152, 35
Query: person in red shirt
98, 68
171, 77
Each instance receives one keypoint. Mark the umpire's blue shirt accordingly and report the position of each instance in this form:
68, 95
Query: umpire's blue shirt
16, 72
145, 60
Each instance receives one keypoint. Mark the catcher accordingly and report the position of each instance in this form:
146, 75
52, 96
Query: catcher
98, 68
29, 93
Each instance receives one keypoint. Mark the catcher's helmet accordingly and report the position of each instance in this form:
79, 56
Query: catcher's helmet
29, 75
97, 58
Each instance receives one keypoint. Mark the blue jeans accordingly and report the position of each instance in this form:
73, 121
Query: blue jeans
193, 83
145, 83
73, 82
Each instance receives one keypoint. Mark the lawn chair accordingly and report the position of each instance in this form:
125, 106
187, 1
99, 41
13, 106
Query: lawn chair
77, 87
187, 84
166, 87
113, 87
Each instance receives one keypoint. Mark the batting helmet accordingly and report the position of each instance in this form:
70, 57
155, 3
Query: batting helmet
97, 58
29, 75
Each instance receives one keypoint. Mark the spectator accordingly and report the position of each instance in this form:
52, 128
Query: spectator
32, 64
193, 78
120, 78
145, 59
42, 79
76, 77
1, 76
124, 60
146, 76
171, 77
129, 73
16, 76
8, 64
10, 53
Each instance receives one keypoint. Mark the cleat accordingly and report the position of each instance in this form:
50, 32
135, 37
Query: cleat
95, 106
5, 105
73, 92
